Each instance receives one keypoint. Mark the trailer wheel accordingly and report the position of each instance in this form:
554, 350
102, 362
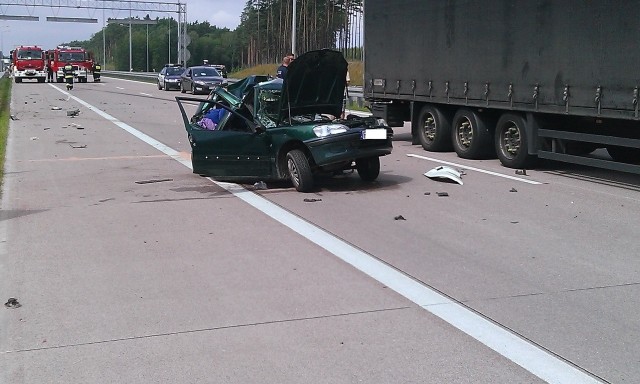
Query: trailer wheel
624, 154
434, 129
511, 141
470, 136
17, 79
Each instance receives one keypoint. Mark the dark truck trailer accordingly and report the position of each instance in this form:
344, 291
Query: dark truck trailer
520, 79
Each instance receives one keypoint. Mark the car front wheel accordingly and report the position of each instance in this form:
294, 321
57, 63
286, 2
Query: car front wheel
159, 86
368, 168
299, 171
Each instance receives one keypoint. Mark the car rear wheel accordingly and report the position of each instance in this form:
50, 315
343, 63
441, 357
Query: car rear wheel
368, 168
299, 171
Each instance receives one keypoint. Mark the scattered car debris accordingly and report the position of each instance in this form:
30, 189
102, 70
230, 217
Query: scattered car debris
12, 303
442, 194
513, 190
514, 222
55, 108
399, 217
45, 128
153, 181
311, 200
260, 185
522, 172
444, 173
73, 113
34, 138
76, 126
427, 193
13, 117
78, 146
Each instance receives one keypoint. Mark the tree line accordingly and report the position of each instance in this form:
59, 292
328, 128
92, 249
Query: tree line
263, 36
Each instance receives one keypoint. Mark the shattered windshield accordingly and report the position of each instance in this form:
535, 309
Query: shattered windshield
267, 108
28, 54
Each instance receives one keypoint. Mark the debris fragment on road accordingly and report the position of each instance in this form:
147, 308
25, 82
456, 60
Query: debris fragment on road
55, 108
513, 190
522, 172
444, 173
152, 181
311, 200
260, 185
427, 193
78, 145
399, 217
12, 303
33, 138
13, 117
74, 112
442, 194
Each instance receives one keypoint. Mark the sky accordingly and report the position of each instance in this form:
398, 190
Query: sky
221, 13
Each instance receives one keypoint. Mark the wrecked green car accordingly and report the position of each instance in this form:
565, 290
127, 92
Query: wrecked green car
261, 129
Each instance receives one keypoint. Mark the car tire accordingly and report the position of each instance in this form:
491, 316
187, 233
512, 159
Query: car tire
434, 132
368, 168
159, 86
299, 171
165, 86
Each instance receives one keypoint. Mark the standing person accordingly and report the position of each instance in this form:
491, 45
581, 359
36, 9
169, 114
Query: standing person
50, 71
68, 76
282, 69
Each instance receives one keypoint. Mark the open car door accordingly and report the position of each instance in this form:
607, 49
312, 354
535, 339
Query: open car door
235, 149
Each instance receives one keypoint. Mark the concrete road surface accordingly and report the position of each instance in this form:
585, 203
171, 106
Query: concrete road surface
130, 268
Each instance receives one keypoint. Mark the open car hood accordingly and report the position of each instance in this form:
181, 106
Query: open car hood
314, 83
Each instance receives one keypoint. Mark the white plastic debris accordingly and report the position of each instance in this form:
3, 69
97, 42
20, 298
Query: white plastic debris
443, 172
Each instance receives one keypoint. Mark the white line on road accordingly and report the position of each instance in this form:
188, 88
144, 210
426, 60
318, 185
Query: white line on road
529, 356
466, 167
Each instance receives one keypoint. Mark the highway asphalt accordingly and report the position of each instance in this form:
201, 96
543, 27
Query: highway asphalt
130, 268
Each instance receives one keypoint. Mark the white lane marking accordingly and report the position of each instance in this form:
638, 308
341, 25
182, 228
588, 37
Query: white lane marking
466, 167
119, 87
529, 356
145, 94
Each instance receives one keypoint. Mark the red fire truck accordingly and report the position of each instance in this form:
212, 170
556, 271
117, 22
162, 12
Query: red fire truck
78, 57
28, 63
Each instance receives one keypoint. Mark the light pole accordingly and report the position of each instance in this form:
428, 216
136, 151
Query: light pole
130, 60
293, 29
147, 47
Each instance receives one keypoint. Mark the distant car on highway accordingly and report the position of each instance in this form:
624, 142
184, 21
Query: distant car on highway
169, 77
201, 79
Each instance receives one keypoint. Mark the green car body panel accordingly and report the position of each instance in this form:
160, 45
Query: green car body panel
264, 120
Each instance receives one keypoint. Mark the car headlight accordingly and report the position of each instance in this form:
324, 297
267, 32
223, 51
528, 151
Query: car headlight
199, 82
329, 129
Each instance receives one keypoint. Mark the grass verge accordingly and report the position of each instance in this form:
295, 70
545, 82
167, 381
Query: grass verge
5, 100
